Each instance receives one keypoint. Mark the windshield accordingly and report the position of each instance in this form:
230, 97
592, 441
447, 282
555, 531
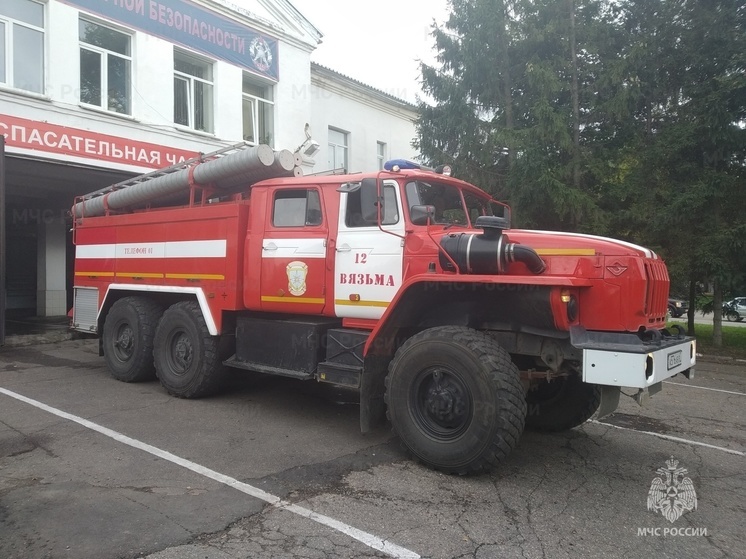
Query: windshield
450, 207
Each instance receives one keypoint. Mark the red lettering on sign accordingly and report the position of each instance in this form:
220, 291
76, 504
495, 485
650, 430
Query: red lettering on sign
367, 279
52, 138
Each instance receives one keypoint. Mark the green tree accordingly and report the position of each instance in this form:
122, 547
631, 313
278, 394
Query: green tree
683, 155
513, 100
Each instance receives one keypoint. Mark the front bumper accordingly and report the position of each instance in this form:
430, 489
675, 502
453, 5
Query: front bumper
625, 360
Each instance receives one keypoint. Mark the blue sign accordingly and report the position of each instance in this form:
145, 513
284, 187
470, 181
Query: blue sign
195, 27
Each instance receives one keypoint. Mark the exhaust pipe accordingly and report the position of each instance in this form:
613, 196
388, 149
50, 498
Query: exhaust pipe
488, 253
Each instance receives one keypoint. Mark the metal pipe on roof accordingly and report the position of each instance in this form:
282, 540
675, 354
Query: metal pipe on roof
223, 172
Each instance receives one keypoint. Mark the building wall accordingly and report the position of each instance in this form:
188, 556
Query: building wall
152, 92
327, 99
364, 114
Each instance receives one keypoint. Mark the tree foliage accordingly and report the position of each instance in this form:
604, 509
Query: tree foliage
619, 117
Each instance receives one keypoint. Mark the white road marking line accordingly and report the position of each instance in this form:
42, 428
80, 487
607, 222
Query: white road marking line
365, 538
704, 388
670, 438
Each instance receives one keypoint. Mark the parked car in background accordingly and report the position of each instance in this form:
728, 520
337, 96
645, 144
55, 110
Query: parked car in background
735, 309
677, 307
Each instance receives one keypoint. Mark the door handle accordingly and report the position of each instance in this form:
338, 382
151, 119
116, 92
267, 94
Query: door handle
344, 248
270, 246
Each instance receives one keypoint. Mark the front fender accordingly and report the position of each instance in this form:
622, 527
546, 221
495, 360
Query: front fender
431, 300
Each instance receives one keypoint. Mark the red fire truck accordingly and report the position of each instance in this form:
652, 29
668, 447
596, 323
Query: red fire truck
407, 285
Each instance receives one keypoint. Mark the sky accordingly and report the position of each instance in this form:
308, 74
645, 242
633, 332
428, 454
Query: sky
377, 43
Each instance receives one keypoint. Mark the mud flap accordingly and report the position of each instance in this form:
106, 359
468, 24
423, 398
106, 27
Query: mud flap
609, 400
372, 406
645, 394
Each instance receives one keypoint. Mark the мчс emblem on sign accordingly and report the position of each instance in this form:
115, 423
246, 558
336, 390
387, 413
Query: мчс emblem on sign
297, 272
261, 54
674, 495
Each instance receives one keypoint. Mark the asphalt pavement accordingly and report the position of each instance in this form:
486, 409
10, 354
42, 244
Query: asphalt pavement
92, 468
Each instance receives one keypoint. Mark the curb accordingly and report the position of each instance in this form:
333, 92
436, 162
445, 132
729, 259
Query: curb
22, 340
722, 359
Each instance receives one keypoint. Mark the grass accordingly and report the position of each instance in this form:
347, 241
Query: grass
734, 341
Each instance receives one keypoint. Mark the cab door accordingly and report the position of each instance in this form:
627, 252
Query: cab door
294, 252
368, 257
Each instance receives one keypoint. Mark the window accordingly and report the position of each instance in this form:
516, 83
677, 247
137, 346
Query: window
449, 208
381, 154
354, 211
22, 45
258, 113
193, 105
105, 67
478, 206
296, 208
337, 149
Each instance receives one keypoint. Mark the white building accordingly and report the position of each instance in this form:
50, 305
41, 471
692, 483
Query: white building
93, 92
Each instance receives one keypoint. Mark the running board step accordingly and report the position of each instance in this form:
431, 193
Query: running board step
266, 369
339, 374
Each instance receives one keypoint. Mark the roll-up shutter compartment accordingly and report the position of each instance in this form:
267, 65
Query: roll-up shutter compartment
85, 309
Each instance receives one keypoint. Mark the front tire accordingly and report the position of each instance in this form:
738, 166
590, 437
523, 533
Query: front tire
187, 359
128, 337
732, 316
561, 404
455, 399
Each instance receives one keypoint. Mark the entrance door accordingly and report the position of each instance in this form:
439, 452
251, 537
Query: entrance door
369, 258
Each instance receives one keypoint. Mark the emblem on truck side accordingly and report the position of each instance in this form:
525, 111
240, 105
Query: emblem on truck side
617, 268
297, 272
674, 496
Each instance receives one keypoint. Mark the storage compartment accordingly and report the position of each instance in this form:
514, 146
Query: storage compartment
85, 309
277, 344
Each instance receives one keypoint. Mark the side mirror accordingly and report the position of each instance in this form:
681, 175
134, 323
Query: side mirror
369, 200
420, 214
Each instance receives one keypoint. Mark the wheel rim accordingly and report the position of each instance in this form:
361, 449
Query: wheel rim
180, 352
441, 403
124, 342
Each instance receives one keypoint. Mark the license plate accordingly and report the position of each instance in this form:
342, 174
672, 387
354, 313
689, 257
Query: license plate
674, 359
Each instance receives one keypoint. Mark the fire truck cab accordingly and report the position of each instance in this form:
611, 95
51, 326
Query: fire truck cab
406, 285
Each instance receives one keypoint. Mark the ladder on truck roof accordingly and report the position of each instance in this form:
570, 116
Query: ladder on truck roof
165, 171
223, 172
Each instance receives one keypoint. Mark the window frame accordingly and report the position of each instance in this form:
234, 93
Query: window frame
381, 154
104, 54
9, 62
310, 192
260, 108
190, 79
353, 217
332, 146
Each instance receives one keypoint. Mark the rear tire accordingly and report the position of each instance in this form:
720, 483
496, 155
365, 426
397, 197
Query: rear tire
455, 399
187, 359
128, 337
561, 404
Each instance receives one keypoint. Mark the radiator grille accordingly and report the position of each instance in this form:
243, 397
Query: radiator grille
85, 309
656, 299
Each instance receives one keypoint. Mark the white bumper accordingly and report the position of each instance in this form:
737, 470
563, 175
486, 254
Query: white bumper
637, 370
